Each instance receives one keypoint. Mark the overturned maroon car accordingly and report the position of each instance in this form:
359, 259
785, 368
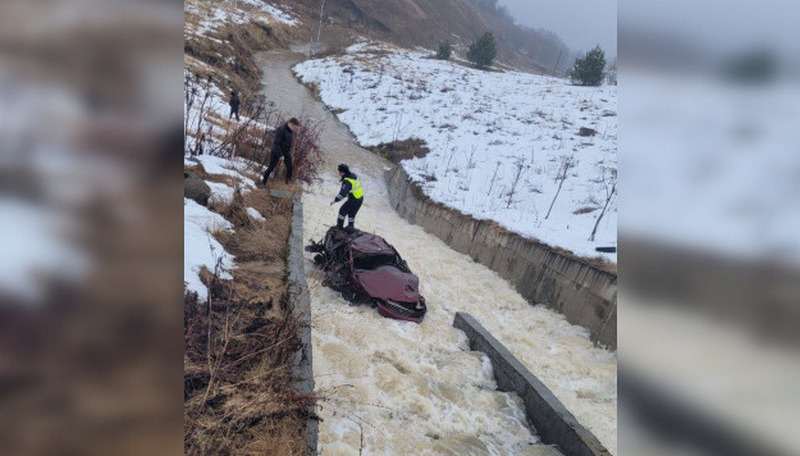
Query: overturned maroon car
366, 269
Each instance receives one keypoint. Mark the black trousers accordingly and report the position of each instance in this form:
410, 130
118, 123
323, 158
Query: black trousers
273, 162
349, 209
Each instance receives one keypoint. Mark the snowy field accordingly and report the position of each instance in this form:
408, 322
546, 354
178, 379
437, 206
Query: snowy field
499, 141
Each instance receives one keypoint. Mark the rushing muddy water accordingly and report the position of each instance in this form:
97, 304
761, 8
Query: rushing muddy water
391, 387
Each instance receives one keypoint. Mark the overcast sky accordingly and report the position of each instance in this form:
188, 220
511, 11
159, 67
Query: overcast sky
581, 24
719, 25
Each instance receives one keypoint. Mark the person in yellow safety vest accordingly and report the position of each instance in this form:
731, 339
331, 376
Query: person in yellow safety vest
351, 189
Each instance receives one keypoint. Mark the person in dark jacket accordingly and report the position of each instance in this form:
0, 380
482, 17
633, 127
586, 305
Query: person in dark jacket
351, 189
234, 104
282, 146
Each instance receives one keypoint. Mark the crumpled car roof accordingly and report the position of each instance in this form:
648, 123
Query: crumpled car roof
370, 244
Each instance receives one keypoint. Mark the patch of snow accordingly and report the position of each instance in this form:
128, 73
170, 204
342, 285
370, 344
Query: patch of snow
219, 17
220, 193
235, 168
200, 248
279, 15
255, 215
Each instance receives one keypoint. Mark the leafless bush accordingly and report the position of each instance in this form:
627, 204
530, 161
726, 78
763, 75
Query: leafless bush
447, 168
307, 154
399, 127
471, 161
611, 191
249, 139
494, 178
197, 91
567, 163
520, 164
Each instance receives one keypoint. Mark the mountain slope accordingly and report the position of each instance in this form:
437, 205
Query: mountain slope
427, 23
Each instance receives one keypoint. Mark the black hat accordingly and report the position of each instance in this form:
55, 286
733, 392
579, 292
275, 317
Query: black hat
344, 169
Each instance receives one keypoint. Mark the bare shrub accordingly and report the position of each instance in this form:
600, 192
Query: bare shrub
197, 91
610, 194
520, 165
494, 178
306, 152
398, 151
567, 163
248, 139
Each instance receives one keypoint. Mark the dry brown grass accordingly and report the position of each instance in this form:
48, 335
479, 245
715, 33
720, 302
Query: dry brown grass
601, 262
198, 170
398, 151
236, 212
585, 210
240, 41
238, 393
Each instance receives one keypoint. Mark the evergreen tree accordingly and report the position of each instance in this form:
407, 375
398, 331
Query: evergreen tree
483, 51
589, 69
445, 50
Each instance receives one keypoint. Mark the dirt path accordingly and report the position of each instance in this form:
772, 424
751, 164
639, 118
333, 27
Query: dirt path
395, 387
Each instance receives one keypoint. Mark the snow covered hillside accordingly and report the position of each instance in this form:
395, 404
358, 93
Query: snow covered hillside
206, 87
210, 16
501, 143
206, 115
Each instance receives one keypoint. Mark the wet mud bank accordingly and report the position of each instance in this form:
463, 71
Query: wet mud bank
552, 421
584, 294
